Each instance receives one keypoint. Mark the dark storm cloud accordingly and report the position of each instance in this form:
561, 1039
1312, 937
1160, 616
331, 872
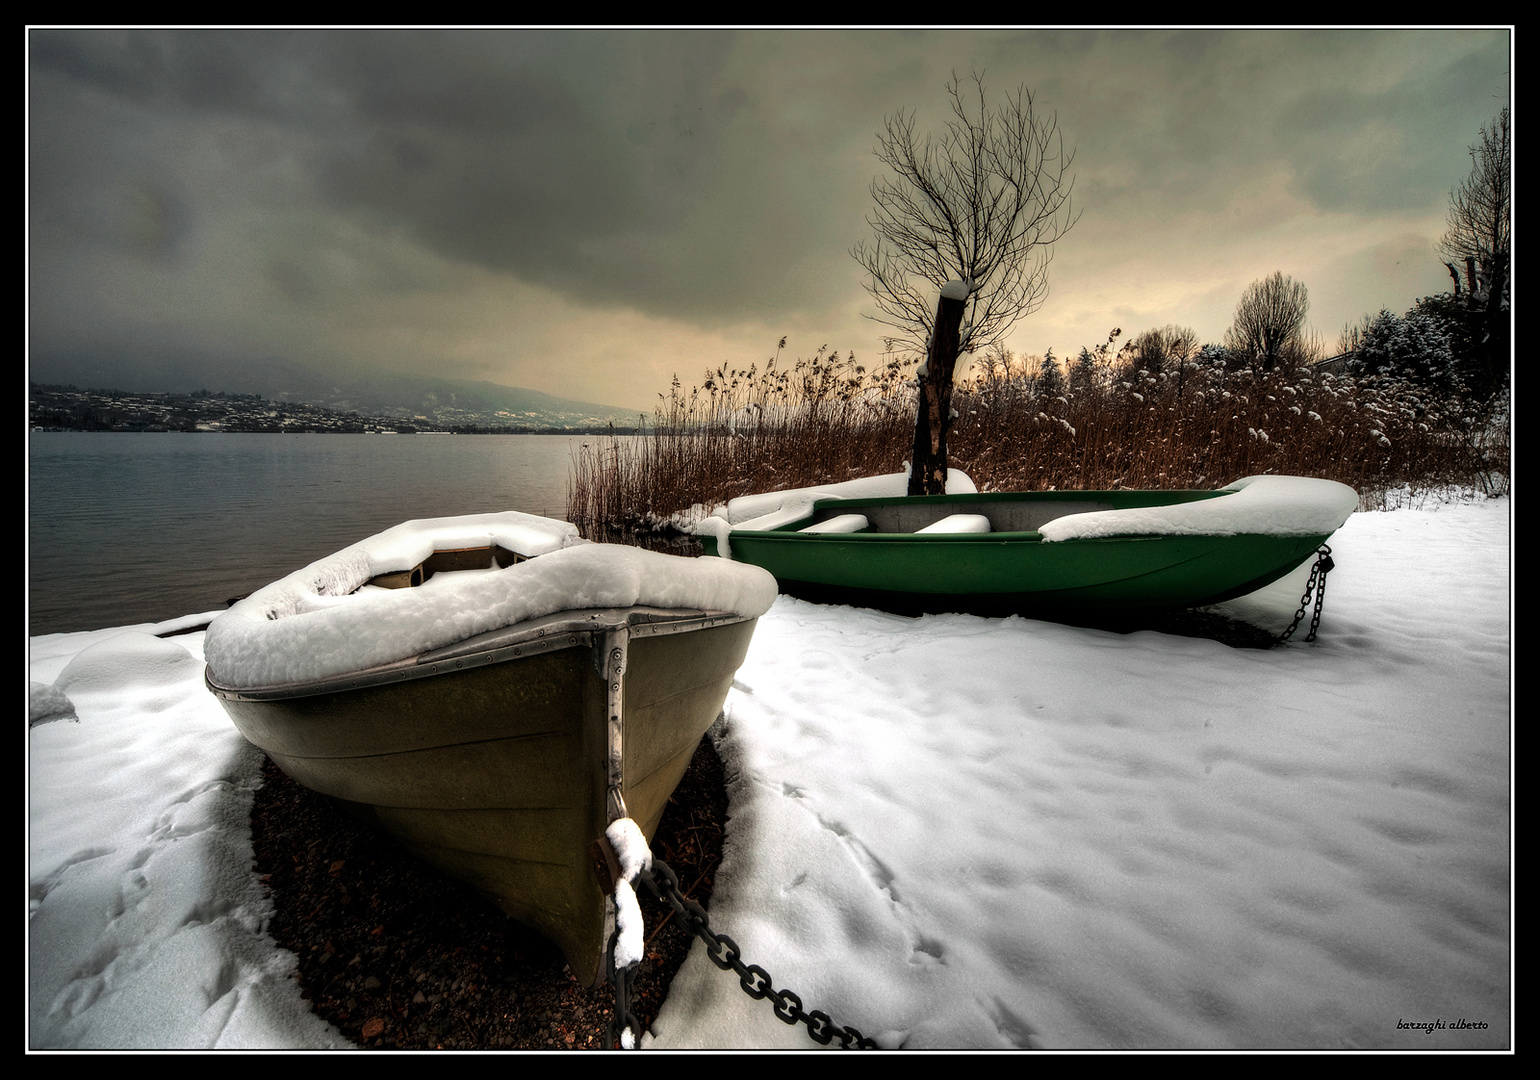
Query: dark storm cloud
567, 159
498, 157
1367, 145
540, 207
1358, 117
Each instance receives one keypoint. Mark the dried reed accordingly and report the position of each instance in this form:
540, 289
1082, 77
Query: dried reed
1022, 427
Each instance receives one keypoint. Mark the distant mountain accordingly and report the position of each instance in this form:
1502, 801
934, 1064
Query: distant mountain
443, 401
452, 401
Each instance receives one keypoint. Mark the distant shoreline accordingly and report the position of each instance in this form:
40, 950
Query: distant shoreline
414, 430
69, 408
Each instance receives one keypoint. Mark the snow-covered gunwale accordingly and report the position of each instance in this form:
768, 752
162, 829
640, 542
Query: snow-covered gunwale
333, 618
495, 719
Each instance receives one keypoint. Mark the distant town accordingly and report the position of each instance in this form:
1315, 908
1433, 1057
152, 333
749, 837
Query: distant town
68, 408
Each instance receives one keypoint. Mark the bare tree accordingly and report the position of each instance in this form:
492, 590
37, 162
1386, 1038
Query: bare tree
980, 208
1154, 348
995, 365
1269, 324
1480, 240
1480, 233
1352, 334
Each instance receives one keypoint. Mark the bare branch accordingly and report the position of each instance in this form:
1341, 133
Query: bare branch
1269, 321
1480, 232
983, 203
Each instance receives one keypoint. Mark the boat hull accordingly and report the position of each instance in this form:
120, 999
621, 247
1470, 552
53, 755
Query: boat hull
1021, 575
1017, 570
490, 759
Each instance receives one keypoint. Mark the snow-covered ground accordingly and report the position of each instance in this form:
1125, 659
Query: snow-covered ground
947, 832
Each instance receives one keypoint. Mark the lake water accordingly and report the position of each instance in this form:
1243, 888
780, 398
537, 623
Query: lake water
131, 528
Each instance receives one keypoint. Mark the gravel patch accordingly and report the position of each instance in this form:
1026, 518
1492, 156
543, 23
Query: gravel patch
397, 956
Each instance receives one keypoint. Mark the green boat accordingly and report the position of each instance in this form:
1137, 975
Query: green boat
1067, 555
495, 693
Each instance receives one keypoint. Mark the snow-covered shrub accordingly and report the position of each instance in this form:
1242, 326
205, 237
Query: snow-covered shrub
1414, 347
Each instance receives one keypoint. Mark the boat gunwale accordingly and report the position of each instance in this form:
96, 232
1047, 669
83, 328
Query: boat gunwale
1135, 499
1138, 499
564, 630
927, 539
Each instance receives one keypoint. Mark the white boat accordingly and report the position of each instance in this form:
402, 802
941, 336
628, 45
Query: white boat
494, 691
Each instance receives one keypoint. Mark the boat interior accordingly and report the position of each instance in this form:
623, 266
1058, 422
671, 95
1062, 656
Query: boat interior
451, 559
945, 517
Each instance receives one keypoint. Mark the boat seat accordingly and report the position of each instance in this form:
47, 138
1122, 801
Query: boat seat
845, 523
957, 523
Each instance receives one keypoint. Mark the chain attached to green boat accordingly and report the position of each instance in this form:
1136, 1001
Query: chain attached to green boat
1317, 585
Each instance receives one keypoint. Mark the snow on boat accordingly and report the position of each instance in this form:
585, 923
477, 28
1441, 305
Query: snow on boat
494, 691
1060, 554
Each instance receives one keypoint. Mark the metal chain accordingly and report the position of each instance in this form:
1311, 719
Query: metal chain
1317, 585
755, 980
663, 884
621, 979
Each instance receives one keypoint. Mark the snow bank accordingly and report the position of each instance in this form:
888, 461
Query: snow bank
948, 832
963, 833
146, 920
325, 621
1261, 505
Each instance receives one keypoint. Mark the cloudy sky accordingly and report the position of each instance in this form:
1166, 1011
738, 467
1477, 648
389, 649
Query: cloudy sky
588, 212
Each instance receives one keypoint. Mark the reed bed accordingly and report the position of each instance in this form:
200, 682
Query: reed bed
1203, 424
1197, 424
818, 421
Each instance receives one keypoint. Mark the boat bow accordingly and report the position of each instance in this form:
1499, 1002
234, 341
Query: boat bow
497, 718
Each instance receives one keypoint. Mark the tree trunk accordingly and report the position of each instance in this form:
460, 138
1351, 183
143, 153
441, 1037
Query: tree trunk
1497, 336
933, 416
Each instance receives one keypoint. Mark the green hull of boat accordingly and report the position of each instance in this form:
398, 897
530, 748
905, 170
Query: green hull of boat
1014, 569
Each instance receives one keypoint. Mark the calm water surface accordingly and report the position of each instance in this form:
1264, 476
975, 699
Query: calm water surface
130, 528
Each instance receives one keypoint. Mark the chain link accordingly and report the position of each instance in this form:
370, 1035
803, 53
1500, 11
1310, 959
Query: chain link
755, 980
723, 951
1317, 585
622, 979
